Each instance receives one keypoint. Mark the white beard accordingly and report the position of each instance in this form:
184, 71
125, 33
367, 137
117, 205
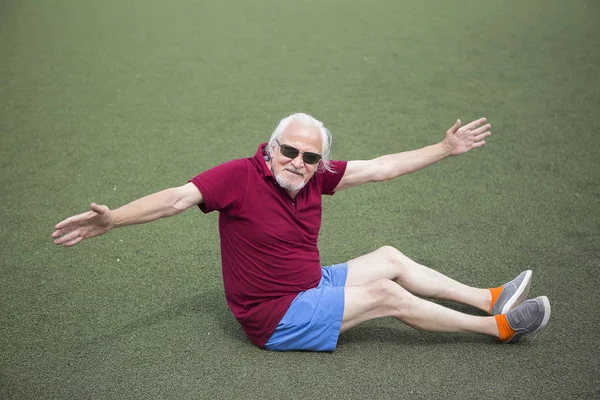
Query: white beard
294, 187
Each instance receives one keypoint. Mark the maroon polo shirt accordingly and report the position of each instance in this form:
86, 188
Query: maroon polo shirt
269, 241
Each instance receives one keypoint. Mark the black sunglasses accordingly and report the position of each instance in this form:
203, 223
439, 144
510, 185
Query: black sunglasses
292, 152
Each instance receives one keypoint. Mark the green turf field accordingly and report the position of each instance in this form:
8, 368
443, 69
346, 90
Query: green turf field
109, 101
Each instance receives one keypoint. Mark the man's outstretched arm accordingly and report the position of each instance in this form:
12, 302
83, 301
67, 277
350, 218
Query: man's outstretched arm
458, 140
149, 208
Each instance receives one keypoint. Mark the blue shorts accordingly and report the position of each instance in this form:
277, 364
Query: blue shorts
314, 318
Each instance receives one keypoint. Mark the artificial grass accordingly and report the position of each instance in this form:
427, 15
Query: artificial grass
109, 101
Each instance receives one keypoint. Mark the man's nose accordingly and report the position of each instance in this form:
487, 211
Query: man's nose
298, 162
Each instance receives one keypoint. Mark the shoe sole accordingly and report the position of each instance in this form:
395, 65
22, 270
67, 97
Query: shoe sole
547, 315
520, 295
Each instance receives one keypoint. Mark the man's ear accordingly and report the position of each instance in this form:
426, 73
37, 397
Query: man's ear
266, 154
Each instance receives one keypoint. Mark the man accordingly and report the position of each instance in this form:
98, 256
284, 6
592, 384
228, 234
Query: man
270, 216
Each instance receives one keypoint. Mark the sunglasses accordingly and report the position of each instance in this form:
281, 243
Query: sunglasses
292, 152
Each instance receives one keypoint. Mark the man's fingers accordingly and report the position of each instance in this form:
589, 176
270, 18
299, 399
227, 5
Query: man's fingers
455, 127
98, 209
67, 238
474, 124
73, 242
80, 217
57, 233
71, 220
67, 231
482, 136
479, 144
63, 223
481, 129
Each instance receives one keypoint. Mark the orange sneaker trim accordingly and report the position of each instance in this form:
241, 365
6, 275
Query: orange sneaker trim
495, 294
504, 330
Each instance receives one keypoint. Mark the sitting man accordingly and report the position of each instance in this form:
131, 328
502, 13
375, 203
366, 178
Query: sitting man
269, 222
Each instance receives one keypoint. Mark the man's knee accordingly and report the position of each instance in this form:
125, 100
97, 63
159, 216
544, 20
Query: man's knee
392, 255
380, 298
390, 296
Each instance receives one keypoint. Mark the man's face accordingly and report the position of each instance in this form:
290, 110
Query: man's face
292, 174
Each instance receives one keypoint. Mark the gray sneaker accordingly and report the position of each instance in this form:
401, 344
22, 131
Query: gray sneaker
528, 317
513, 293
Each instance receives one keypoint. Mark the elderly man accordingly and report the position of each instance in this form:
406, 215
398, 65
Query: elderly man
270, 216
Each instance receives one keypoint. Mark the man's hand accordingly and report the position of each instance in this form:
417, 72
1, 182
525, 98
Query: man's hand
459, 139
83, 226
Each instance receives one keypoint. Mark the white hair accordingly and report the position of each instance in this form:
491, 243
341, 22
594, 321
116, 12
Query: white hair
309, 122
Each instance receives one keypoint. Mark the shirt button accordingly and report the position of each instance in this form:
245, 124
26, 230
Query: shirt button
294, 204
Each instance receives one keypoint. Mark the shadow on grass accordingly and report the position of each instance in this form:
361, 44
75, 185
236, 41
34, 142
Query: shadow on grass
209, 304
402, 335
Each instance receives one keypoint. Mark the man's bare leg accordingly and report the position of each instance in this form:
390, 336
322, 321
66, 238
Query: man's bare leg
384, 297
389, 263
